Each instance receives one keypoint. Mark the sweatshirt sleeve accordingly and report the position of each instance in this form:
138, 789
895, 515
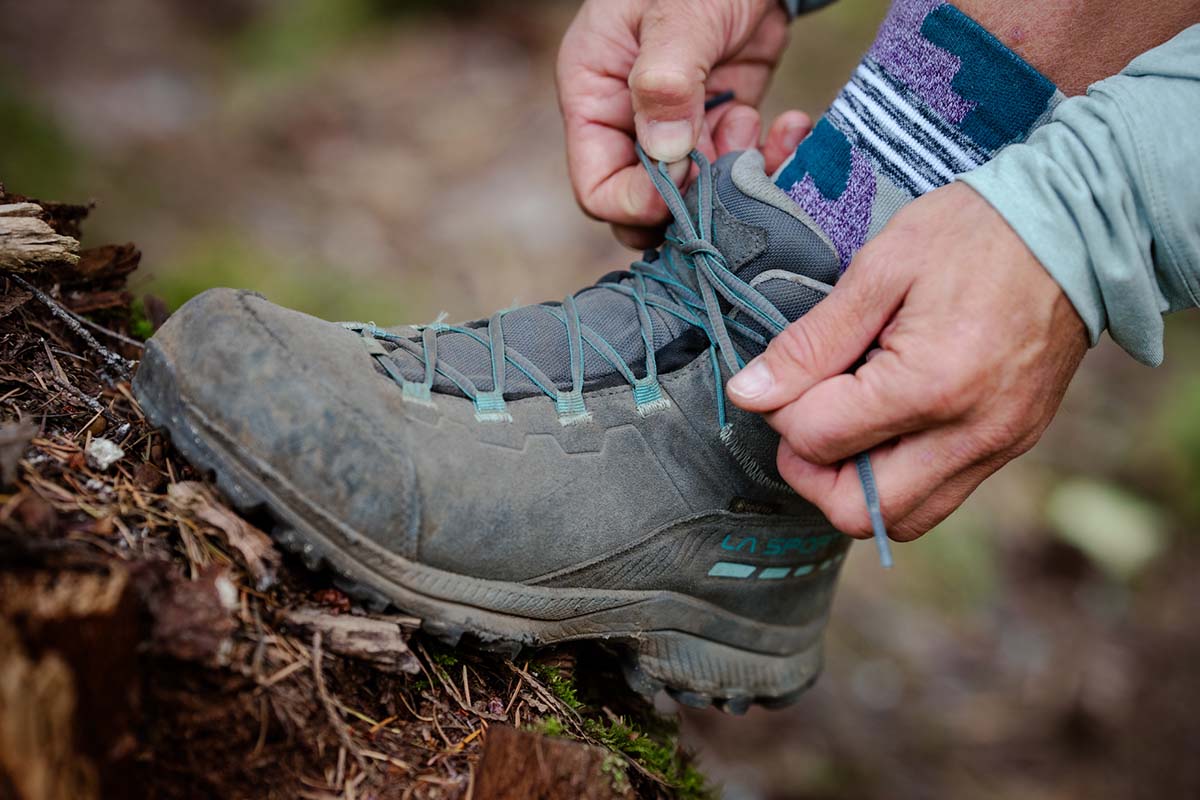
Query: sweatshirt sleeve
1107, 195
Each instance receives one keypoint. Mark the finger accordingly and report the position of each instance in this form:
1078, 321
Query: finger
677, 50
825, 341
603, 167
737, 129
851, 413
783, 137
747, 80
637, 238
627, 196
907, 473
942, 503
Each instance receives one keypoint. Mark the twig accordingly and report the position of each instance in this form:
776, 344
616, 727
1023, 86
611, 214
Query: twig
120, 337
331, 711
111, 359
60, 377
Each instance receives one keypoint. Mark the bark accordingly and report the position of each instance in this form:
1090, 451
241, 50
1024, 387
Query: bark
521, 765
69, 694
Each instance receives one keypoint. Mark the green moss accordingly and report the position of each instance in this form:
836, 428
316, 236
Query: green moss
652, 743
444, 660
139, 325
550, 726
614, 768
560, 686
658, 754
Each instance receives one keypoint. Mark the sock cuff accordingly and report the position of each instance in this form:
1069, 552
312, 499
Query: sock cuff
937, 95
912, 145
961, 72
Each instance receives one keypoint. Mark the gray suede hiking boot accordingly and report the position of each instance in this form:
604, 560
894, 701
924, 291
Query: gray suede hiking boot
559, 472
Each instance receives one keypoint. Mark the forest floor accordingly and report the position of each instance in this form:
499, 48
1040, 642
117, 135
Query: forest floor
238, 673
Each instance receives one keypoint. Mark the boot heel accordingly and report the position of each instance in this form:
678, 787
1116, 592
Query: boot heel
718, 674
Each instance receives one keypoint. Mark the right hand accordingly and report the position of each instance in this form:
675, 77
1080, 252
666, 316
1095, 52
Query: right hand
640, 70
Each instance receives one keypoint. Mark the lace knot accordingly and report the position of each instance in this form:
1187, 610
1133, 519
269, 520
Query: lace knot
694, 247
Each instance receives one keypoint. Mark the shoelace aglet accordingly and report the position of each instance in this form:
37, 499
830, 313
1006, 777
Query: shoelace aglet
866, 476
718, 99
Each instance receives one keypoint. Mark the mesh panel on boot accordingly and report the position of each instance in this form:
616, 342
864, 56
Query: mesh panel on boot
542, 339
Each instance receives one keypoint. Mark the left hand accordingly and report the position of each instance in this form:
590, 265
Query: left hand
975, 345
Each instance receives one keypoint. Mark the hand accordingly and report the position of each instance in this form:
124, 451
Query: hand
976, 346
642, 68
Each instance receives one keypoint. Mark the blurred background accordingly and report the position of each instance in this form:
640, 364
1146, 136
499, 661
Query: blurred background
388, 160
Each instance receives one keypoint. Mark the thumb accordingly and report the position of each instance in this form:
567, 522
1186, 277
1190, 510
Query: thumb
666, 82
824, 342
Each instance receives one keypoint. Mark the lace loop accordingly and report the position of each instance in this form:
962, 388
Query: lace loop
699, 286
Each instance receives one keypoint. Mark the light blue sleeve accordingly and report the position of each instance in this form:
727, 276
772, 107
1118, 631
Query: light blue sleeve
1107, 195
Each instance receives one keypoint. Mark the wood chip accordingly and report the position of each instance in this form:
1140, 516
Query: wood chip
27, 243
380, 642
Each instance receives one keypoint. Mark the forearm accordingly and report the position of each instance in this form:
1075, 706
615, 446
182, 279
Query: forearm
1105, 195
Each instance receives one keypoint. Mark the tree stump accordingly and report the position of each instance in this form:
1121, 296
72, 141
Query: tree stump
69, 677
520, 765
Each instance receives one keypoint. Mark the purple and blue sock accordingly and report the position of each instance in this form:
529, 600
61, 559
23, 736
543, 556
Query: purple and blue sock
936, 96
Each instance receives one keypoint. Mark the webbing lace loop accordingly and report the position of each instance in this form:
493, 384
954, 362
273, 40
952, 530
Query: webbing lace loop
697, 287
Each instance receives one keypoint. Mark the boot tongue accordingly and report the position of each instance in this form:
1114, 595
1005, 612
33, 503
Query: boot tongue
759, 229
766, 238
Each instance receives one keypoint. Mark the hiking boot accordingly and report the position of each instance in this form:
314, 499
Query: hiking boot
559, 472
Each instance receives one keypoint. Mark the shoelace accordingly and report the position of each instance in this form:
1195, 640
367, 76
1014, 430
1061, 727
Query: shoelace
695, 278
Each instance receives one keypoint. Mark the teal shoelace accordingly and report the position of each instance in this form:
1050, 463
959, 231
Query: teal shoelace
694, 280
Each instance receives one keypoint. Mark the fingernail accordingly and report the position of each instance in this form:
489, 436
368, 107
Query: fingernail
668, 141
753, 381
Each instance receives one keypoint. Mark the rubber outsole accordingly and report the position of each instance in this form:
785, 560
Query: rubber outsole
695, 671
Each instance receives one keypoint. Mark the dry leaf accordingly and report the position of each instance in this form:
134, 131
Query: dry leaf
256, 549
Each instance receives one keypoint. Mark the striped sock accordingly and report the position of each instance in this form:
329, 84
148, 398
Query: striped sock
936, 95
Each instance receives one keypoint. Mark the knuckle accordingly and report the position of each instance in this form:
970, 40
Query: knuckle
949, 395
907, 530
814, 446
660, 86
637, 202
1003, 434
1022, 442
849, 518
794, 346
589, 204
